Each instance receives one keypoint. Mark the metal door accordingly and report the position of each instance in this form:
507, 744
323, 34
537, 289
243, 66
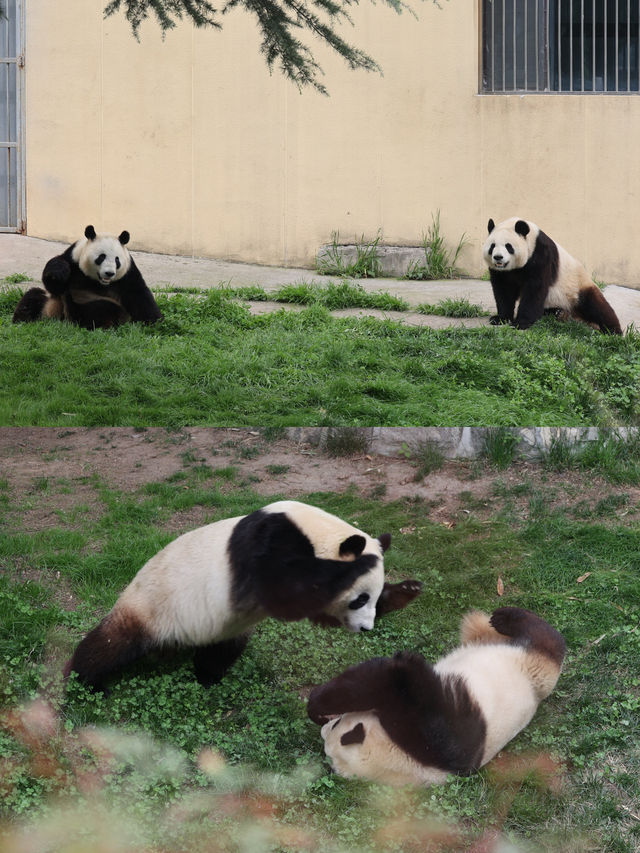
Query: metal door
12, 185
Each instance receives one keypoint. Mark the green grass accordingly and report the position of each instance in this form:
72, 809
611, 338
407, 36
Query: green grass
452, 308
211, 363
616, 458
336, 295
147, 773
366, 264
16, 278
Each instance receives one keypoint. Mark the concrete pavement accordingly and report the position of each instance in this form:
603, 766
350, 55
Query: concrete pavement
28, 255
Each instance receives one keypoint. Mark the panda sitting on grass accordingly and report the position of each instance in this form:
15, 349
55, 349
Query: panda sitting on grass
95, 284
528, 267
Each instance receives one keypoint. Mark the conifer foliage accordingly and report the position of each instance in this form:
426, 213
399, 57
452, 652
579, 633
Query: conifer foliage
281, 22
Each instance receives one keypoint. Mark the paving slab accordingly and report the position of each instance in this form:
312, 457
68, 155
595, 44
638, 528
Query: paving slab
28, 255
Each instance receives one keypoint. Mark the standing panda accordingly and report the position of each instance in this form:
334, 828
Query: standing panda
95, 283
526, 265
209, 587
401, 720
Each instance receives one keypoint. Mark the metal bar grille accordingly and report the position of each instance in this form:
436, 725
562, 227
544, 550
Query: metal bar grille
11, 125
573, 46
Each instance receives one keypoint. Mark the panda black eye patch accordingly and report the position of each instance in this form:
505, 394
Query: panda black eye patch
491, 248
359, 602
510, 249
117, 263
100, 259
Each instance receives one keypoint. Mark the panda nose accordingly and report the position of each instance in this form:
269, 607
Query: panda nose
364, 628
497, 258
108, 274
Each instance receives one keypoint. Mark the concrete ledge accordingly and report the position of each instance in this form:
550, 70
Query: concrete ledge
393, 261
457, 442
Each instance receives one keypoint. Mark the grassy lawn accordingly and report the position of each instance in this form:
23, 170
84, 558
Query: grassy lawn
569, 549
210, 362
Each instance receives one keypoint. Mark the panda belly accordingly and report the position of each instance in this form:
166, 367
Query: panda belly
376, 757
183, 595
572, 278
497, 678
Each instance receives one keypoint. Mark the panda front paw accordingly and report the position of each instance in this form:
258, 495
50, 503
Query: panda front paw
396, 596
497, 320
55, 276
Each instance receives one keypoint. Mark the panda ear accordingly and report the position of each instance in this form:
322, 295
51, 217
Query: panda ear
124, 238
385, 541
491, 225
353, 545
522, 228
90, 232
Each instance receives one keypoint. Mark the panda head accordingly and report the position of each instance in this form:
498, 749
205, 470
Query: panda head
334, 539
510, 244
102, 257
355, 609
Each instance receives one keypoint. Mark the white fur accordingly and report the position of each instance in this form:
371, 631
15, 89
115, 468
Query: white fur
85, 253
377, 758
183, 593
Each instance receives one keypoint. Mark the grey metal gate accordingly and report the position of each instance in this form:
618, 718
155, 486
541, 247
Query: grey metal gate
12, 186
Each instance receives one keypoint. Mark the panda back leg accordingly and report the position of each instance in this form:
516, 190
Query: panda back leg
120, 639
529, 630
211, 662
594, 308
31, 306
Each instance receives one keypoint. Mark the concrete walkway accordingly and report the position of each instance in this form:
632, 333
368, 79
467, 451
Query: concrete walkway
28, 255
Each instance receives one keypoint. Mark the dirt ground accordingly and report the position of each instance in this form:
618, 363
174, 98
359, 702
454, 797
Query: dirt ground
126, 459
52, 478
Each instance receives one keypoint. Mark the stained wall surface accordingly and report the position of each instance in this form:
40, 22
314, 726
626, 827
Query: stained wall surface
190, 143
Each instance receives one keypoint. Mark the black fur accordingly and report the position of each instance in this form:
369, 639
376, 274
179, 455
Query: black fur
433, 719
592, 307
86, 302
115, 642
530, 284
211, 662
396, 596
356, 735
31, 305
527, 629
275, 568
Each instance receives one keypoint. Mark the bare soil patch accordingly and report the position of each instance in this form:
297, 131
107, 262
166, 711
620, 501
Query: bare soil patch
54, 475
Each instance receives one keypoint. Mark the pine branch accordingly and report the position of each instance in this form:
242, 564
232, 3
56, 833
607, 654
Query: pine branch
280, 22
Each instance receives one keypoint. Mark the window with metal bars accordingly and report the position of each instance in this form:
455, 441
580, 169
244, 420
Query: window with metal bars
580, 46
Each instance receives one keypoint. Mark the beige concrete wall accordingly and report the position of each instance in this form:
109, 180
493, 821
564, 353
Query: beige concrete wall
192, 145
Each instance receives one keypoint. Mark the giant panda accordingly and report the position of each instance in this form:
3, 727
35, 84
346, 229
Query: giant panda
528, 267
401, 720
209, 587
94, 283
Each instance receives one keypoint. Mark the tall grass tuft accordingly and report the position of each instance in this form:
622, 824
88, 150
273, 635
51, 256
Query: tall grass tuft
499, 446
440, 261
366, 264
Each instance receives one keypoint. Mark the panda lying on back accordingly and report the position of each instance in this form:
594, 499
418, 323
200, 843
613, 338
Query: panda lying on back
527, 265
209, 587
95, 283
401, 720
